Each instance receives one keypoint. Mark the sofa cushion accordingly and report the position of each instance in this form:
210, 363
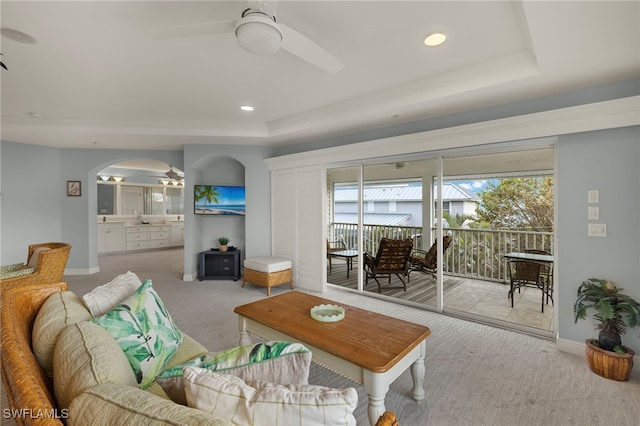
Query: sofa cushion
281, 362
35, 256
188, 350
145, 331
58, 311
110, 404
104, 298
262, 403
15, 270
267, 264
86, 355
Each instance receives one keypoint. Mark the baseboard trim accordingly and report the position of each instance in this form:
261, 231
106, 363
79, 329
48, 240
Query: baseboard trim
577, 348
82, 271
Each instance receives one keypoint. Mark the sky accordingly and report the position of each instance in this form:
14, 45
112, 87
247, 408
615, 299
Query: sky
474, 186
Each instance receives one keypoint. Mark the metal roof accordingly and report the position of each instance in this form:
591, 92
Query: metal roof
453, 192
388, 219
450, 192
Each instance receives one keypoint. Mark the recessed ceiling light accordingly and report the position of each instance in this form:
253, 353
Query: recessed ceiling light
18, 36
435, 39
247, 108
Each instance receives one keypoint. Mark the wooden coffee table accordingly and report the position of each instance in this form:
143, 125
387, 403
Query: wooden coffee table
370, 348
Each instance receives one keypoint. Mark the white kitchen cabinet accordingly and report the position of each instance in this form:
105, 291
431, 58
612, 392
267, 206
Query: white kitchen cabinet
177, 233
111, 237
140, 237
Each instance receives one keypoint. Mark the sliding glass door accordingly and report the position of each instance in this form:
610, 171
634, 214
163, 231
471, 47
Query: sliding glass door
445, 197
343, 245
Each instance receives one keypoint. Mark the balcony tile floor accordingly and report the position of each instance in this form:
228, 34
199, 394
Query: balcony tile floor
477, 297
489, 299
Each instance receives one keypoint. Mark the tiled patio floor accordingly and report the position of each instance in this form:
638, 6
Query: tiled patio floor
489, 299
485, 299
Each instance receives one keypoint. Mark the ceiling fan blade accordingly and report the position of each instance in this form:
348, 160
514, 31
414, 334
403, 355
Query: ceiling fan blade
305, 48
196, 30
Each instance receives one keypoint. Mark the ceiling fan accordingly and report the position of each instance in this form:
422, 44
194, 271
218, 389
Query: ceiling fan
258, 32
172, 174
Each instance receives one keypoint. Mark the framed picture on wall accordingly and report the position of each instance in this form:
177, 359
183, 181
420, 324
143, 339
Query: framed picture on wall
73, 188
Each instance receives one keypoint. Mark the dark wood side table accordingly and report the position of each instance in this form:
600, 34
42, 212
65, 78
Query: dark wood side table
217, 265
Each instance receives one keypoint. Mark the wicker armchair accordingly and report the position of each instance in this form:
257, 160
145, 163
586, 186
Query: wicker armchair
392, 258
427, 261
25, 382
47, 268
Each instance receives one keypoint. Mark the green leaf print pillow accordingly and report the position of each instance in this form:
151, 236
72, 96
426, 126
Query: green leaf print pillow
144, 330
280, 362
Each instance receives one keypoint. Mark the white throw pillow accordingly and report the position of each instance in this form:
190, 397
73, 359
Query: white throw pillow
104, 298
260, 403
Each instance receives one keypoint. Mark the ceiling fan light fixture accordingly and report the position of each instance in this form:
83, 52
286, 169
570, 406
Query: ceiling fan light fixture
258, 33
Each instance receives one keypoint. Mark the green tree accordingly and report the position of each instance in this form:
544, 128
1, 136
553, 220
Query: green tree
455, 221
518, 204
209, 192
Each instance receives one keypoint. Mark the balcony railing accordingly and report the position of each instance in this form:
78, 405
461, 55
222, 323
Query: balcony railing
474, 253
372, 234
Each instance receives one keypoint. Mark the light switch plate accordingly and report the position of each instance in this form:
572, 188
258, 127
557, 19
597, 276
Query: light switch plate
597, 230
594, 213
593, 196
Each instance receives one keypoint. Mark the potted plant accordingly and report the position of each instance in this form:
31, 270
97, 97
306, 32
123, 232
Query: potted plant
615, 313
223, 241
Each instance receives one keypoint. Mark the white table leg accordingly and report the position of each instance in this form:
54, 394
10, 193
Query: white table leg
376, 386
245, 337
417, 373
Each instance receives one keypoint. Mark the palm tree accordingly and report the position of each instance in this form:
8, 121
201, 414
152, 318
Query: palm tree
210, 193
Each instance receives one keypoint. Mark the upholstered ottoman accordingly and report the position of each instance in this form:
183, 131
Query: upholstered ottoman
267, 272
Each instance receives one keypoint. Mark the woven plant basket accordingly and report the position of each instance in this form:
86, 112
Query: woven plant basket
608, 364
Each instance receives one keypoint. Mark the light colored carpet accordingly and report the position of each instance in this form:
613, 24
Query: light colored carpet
475, 374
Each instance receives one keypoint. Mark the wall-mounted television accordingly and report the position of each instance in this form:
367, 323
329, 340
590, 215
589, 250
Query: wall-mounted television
219, 200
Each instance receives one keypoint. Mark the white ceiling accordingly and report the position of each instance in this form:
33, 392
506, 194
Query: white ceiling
100, 75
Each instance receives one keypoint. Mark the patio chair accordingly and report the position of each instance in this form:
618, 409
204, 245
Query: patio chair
392, 258
524, 273
546, 271
45, 265
427, 261
337, 244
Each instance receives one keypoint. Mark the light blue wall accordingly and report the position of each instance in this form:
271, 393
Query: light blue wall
32, 193
228, 165
608, 161
35, 207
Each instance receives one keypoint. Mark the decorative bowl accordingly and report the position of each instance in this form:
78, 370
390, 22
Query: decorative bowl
327, 313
